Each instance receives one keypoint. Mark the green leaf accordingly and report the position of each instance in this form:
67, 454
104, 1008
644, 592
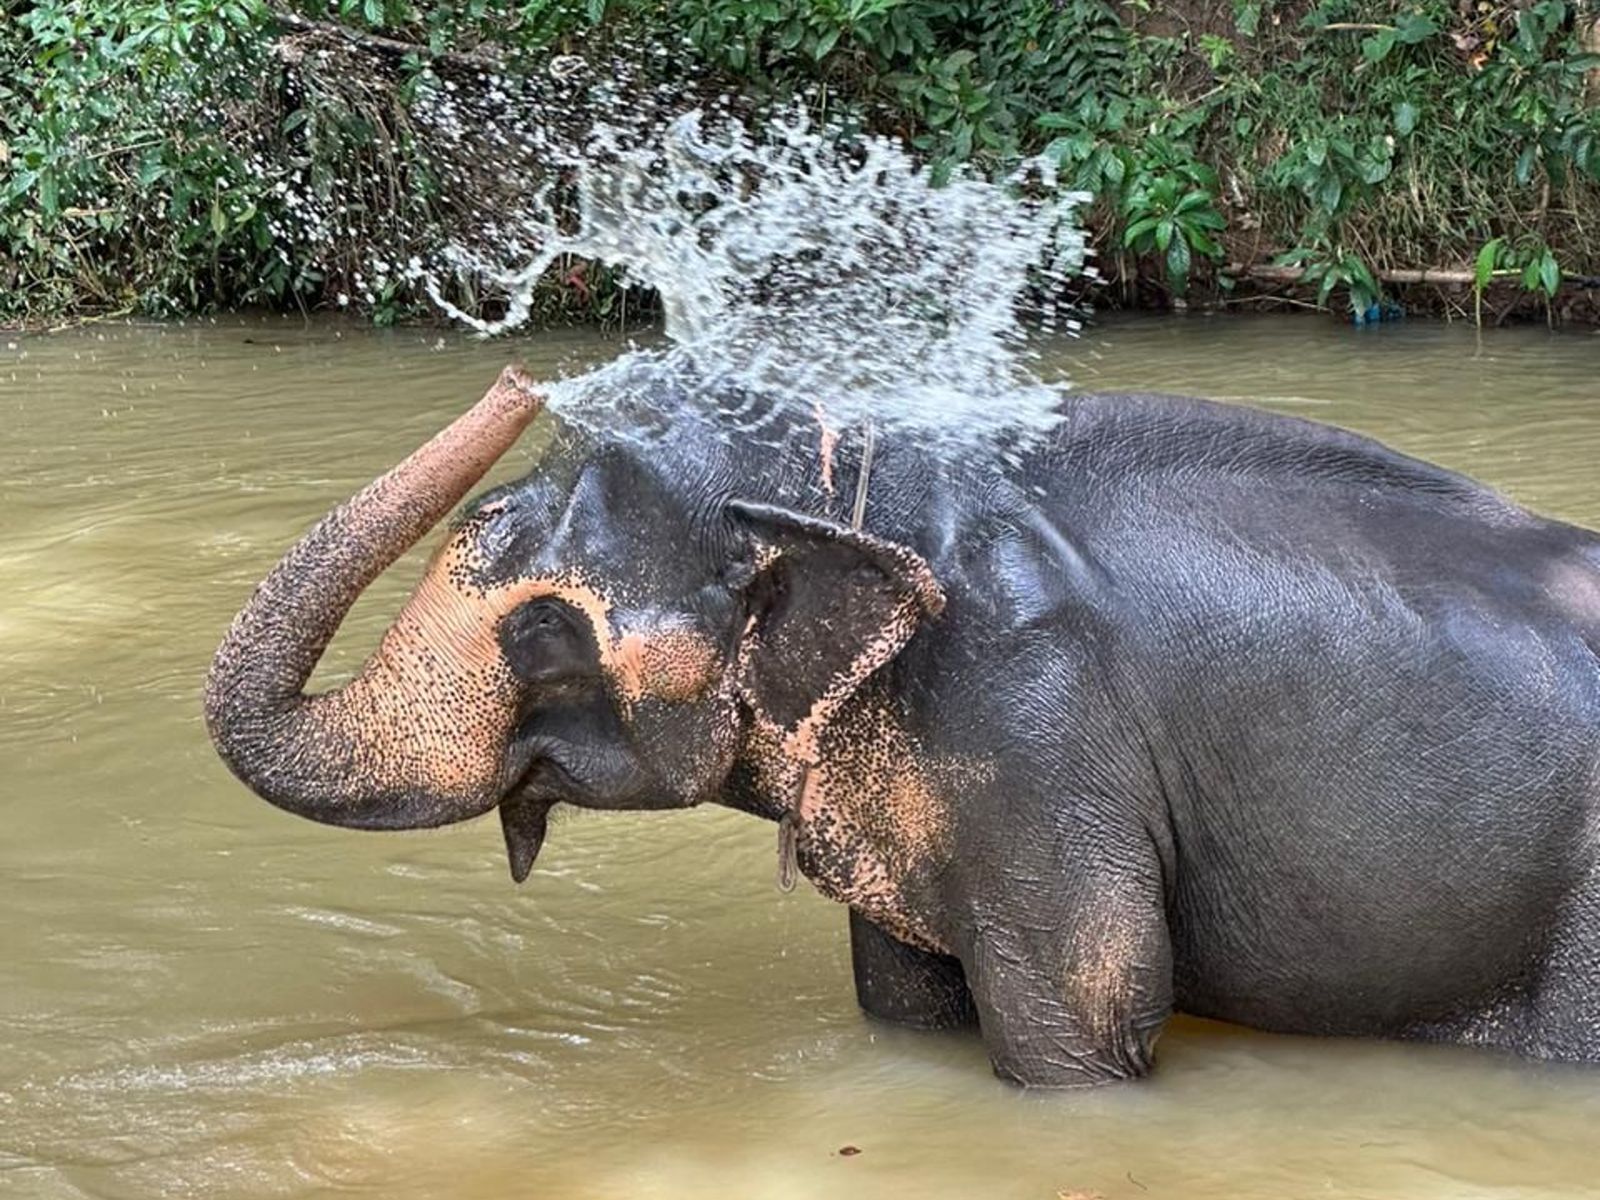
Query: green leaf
1139, 229
825, 43
1202, 243
1360, 277
1483, 269
1164, 232
1528, 32
49, 197
1405, 118
1115, 168
1549, 273
1330, 193
1375, 47
1525, 162
219, 220
21, 183
1376, 170
151, 169
1178, 263
961, 144
1329, 279
1412, 28
372, 10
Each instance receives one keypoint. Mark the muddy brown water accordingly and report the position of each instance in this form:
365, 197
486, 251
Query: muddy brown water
201, 996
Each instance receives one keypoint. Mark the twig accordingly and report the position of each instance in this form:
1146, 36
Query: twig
1265, 299
1445, 275
1362, 25
379, 44
115, 150
80, 322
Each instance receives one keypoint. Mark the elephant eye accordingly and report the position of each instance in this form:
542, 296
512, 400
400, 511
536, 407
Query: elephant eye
544, 641
544, 618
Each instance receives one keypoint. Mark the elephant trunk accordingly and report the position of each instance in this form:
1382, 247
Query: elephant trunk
385, 751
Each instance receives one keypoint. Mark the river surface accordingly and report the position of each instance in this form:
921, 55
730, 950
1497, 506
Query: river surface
201, 996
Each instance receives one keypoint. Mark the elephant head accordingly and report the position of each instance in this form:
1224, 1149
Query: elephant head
618, 632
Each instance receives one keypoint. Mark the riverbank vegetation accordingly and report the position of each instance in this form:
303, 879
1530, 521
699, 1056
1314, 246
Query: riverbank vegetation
1353, 154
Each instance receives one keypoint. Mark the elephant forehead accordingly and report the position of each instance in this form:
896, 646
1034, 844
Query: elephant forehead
642, 531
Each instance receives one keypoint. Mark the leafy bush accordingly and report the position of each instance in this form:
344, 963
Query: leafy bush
145, 145
120, 187
965, 78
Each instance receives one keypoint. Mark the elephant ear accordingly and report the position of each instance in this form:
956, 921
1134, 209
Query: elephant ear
828, 606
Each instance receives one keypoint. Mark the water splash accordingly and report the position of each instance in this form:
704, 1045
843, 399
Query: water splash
814, 269
800, 267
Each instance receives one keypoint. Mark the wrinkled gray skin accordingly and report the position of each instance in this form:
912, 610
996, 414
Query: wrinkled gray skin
1224, 712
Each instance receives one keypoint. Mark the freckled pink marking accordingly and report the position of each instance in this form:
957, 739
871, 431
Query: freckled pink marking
829, 444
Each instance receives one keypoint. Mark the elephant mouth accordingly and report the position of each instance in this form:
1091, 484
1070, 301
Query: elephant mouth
523, 820
550, 770
540, 785
574, 754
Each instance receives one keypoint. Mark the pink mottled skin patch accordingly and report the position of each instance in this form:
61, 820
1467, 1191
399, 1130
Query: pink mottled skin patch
826, 449
672, 662
874, 812
390, 728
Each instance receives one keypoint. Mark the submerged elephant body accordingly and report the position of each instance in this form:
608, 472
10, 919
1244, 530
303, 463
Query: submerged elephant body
1187, 707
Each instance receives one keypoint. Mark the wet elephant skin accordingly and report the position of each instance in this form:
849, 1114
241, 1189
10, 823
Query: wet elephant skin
1186, 706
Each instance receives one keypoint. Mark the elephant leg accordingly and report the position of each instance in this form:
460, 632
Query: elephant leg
1072, 990
1561, 1017
900, 983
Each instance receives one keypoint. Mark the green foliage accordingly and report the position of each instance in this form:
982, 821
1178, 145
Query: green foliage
967, 77
110, 194
1179, 223
1329, 268
1387, 133
146, 151
1528, 261
1141, 163
1172, 210
526, 27
142, 142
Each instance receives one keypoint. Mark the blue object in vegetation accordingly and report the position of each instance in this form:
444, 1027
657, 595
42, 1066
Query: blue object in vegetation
1383, 310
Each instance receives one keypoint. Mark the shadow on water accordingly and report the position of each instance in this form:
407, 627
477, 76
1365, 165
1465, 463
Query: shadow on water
205, 997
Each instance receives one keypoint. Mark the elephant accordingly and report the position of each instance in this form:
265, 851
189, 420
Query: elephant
1178, 706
